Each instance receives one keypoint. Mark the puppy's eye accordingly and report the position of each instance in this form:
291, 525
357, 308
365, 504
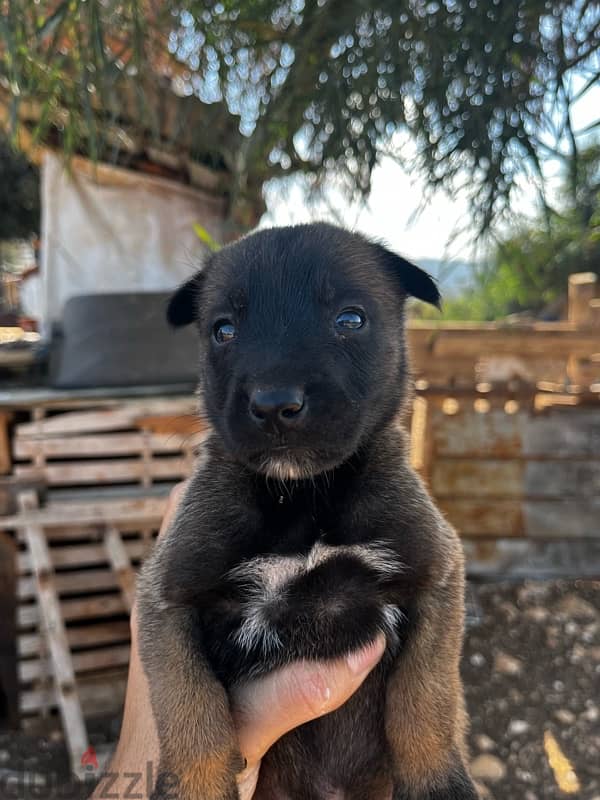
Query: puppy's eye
224, 331
350, 319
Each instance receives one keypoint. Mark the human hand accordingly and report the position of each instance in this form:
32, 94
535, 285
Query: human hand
263, 710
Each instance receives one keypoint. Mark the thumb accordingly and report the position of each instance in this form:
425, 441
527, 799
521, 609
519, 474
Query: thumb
267, 708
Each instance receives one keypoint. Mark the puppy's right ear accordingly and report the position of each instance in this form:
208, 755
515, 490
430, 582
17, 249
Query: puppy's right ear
183, 305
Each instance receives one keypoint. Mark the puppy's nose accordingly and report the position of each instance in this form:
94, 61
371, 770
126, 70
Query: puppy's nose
281, 407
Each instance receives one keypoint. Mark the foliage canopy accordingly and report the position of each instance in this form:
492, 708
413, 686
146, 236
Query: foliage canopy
483, 87
528, 270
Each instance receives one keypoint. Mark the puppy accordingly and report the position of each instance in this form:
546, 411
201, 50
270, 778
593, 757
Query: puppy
304, 532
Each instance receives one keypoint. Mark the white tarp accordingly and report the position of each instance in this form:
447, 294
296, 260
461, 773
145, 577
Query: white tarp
107, 229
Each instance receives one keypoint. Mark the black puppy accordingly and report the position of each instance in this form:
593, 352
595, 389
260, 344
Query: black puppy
304, 532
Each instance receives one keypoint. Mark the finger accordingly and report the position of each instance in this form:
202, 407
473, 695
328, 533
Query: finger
266, 709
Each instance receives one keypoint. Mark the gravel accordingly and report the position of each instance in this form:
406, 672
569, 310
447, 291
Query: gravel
531, 668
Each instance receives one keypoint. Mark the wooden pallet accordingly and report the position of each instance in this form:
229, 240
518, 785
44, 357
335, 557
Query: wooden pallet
107, 472
133, 444
75, 588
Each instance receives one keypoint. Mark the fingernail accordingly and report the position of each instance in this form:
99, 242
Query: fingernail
363, 660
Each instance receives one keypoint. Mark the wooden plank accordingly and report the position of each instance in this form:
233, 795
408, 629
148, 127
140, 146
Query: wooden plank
562, 519
450, 372
472, 517
119, 555
515, 478
144, 510
8, 632
563, 434
94, 533
453, 478
543, 519
110, 444
5, 458
94, 472
72, 582
93, 398
461, 340
559, 433
583, 288
86, 661
125, 415
83, 555
510, 559
95, 635
495, 434
104, 605
55, 635
182, 424
99, 695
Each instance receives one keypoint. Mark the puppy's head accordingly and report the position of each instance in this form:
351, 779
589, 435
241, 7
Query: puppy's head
302, 350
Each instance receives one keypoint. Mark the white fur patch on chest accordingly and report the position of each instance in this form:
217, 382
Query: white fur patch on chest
265, 579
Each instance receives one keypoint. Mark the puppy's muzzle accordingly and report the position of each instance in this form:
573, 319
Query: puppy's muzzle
279, 409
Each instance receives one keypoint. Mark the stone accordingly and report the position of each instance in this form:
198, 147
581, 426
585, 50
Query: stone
477, 659
517, 727
571, 628
483, 791
564, 716
510, 610
537, 613
574, 606
484, 743
488, 768
507, 665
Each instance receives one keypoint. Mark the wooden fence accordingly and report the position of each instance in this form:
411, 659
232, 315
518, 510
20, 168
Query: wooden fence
506, 431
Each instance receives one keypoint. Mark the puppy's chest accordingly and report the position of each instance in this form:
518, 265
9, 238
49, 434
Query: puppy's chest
311, 593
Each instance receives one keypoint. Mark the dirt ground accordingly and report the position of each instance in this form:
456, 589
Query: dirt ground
532, 675
532, 667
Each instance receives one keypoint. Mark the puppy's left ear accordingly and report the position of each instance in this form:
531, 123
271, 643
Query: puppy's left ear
184, 303
414, 280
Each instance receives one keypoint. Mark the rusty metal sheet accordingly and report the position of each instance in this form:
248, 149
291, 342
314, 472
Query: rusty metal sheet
468, 433
563, 433
514, 478
562, 479
562, 519
543, 519
477, 478
559, 433
473, 517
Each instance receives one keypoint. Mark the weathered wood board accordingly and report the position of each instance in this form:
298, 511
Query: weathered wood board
496, 434
524, 474
502, 517
53, 637
477, 478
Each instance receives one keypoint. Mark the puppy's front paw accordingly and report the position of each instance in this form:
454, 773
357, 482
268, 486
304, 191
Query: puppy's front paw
194, 786
457, 786
321, 605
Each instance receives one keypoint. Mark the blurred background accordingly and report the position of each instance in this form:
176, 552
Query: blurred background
135, 138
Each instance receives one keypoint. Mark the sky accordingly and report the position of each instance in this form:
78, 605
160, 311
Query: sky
389, 213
